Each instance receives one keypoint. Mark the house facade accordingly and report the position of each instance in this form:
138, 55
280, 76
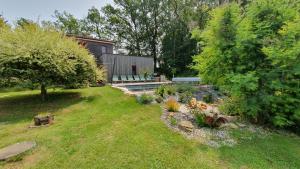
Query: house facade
96, 47
116, 64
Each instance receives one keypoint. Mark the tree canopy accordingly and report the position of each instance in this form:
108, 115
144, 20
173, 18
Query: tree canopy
255, 59
46, 57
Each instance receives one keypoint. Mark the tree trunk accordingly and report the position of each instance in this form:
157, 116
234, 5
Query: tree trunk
43, 92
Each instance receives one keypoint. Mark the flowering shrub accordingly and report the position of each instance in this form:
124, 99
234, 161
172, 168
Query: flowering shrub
193, 103
201, 106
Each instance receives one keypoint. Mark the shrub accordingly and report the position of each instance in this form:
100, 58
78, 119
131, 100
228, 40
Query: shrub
161, 91
258, 65
170, 90
208, 98
181, 88
159, 99
173, 121
232, 106
145, 98
200, 119
172, 105
193, 103
185, 97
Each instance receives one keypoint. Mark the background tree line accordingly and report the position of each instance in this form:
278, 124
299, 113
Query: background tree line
156, 28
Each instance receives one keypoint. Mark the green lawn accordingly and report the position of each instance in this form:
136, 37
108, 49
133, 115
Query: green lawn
103, 128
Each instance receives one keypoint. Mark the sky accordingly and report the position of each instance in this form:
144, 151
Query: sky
38, 10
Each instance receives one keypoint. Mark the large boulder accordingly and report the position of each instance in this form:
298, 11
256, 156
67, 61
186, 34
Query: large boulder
186, 126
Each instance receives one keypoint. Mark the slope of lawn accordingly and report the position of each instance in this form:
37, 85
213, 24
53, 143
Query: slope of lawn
103, 128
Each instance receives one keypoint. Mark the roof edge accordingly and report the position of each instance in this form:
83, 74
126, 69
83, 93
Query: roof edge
90, 39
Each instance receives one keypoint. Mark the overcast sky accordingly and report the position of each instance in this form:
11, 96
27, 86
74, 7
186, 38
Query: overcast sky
38, 10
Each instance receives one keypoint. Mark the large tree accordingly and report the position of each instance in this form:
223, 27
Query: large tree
3, 23
45, 57
137, 25
125, 25
67, 23
178, 47
95, 24
255, 60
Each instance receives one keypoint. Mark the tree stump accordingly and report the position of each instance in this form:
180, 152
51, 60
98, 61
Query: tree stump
43, 120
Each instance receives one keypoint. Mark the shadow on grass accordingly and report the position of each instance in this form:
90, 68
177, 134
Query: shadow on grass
18, 108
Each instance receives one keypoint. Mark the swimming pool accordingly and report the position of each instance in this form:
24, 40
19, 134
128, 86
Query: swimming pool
141, 87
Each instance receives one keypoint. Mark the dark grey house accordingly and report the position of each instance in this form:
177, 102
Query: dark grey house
96, 47
116, 64
127, 65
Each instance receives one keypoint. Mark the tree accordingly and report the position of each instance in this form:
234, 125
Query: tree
218, 56
22, 22
45, 57
3, 23
67, 23
254, 60
178, 47
137, 25
95, 24
125, 24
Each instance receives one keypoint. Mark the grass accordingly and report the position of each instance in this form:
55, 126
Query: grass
103, 128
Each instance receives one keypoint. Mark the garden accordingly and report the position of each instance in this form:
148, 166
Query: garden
195, 111
57, 109
103, 127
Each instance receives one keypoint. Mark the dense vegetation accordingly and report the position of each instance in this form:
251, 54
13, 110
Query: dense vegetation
45, 57
253, 55
103, 128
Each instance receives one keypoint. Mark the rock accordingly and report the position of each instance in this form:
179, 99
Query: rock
213, 144
186, 126
229, 125
171, 114
231, 118
16, 149
241, 125
183, 109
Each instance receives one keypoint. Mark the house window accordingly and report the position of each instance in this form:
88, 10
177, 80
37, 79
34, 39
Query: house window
103, 49
133, 68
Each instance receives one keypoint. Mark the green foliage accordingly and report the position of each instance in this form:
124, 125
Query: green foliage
45, 57
145, 98
170, 90
164, 90
159, 99
95, 23
177, 49
200, 119
255, 59
185, 97
161, 91
3, 23
173, 121
208, 98
181, 88
67, 23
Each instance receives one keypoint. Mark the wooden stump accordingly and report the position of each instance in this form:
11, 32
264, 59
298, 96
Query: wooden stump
43, 120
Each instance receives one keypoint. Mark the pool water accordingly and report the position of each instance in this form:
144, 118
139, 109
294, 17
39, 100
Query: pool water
142, 87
